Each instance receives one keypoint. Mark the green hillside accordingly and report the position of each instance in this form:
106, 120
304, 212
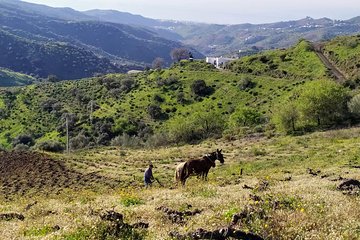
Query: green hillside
298, 62
189, 102
345, 53
9, 78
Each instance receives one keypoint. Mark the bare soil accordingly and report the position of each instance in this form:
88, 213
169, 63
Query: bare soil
31, 172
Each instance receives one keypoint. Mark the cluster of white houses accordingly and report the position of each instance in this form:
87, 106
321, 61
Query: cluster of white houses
218, 62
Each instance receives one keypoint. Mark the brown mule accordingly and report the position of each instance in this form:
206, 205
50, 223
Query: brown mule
199, 167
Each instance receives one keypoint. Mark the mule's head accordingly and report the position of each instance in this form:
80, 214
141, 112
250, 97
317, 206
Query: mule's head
219, 156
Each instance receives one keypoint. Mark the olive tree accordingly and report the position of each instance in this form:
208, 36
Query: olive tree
178, 54
323, 101
158, 63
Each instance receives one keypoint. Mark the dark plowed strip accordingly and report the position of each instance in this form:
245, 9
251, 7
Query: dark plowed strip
23, 172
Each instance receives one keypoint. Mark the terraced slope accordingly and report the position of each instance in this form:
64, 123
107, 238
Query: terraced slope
344, 52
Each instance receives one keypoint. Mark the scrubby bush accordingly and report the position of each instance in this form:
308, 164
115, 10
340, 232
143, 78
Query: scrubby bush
158, 63
79, 142
51, 146
323, 101
48, 104
123, 125
199, 126
246, 83
246, 116
158, 98
200, 88
286, 117
354, 105
125, 140
156, 112
21, 147
127, 84
158, 140
23, 139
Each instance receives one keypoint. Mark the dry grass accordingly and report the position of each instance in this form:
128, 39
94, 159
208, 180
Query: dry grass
310, 206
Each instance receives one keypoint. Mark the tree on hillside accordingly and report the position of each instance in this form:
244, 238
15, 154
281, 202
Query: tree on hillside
158, 63
287, 116
178, 54
200, 88
323, 101
52, 78
246, 116
354, 105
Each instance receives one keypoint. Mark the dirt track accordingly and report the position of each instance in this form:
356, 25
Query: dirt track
318, 47
30, 172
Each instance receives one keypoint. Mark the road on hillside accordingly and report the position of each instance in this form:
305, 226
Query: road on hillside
318, 47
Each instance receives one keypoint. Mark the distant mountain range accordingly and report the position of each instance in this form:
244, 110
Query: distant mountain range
40, 40
217, 39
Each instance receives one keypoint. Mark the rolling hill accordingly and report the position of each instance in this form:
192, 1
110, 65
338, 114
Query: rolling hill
188, 102
218, 39
74, 48
9, 78
343, 51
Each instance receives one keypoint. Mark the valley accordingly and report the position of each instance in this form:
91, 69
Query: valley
90, 99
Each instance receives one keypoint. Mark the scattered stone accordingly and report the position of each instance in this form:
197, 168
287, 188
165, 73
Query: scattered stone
30, 205
288, 178
248, 214
140, 225
350, 186
219, 234
11, 216
112, 216
56, 228
255, 198
262, 185
337, 179
117, 227
177, 216
313, 172
247, 187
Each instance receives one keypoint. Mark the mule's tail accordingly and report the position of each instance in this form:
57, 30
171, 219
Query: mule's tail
183, 174
177, 175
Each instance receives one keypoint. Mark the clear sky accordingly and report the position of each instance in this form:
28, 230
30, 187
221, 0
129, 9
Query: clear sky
221, 11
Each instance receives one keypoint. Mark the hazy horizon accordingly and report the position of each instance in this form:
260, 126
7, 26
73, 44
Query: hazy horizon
226, 12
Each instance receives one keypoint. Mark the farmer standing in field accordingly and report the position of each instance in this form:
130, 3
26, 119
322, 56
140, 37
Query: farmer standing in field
148, 176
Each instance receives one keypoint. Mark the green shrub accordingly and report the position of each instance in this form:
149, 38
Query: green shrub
258, 152
246, 83
354, 105
21, 147
105, 231
286, 116
38, 232
199, 88
246, 116
323, 102
199, 126
317, 103
24, 139
79, 142
51, 146
125, 140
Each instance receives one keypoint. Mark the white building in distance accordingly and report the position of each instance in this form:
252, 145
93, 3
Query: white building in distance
218, 62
